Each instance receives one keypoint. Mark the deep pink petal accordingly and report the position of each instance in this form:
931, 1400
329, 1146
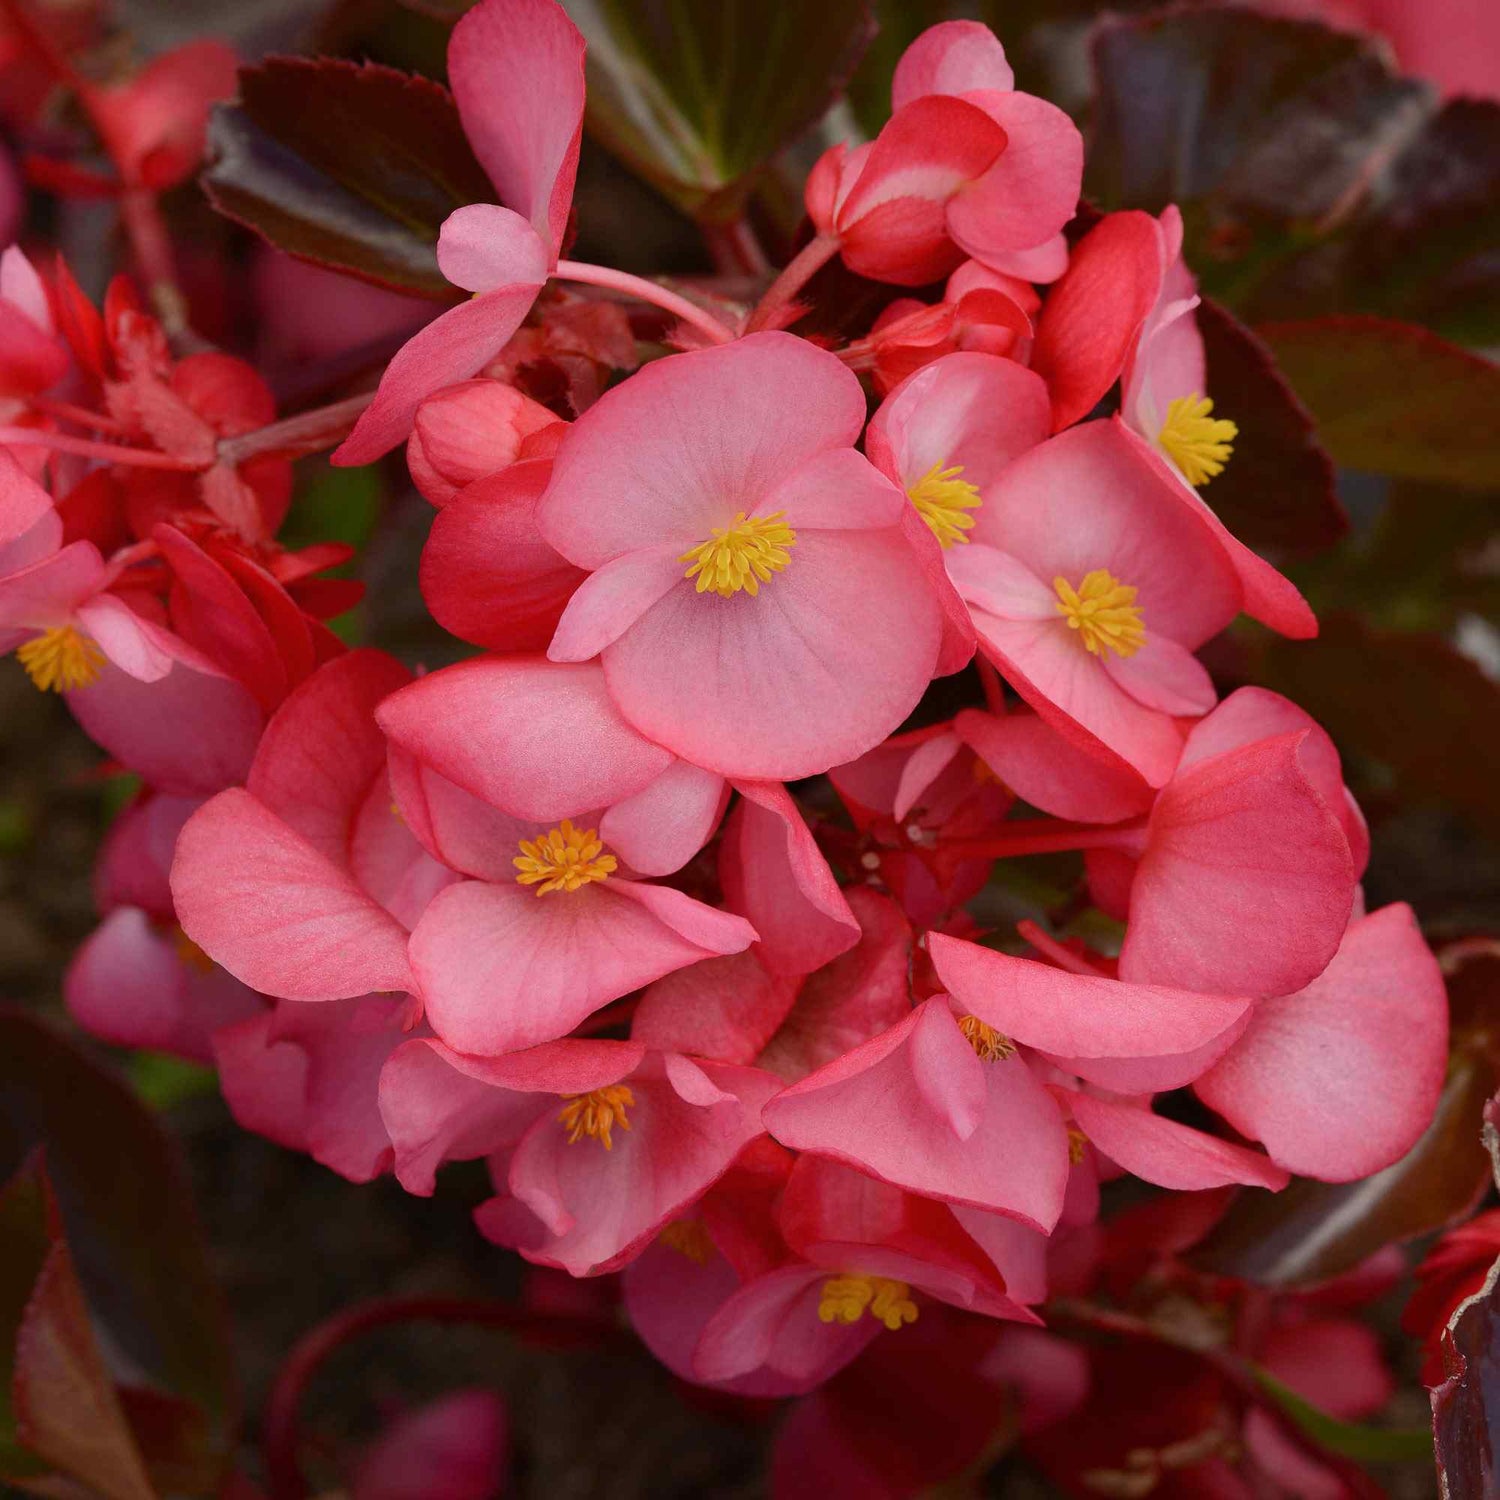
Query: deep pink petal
261, 900
1341, 1078
455, 1446
724, 1008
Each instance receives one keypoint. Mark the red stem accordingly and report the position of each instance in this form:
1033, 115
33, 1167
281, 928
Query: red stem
645, 291
801, 269
1064, 958
296, 436
735, 248
282, 1434
65, 411
141, 458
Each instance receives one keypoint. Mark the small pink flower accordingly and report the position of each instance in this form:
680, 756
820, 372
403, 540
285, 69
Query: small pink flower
753, 599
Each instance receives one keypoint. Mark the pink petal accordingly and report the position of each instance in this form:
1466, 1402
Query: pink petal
869, 1109
1341, 1078
1162, 1151
487, 575
837, 490
264, 1081
951, 58
1031, 191
658, 829
1164, 676
516, 67
30, 527
774, 875
537, 739
1052, 772
999, 584
1247, 883
609, 601
483, 247
821, 665
138, 648
502, 968
451, 348
1075, 1015
261, 900
47, 592
725, 1008
690, 440
471, 432
455, 1446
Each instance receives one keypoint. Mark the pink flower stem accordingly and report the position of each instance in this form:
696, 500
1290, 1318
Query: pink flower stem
282, 1434
111, 453
151, 245
1046, 836
801, 269
65, 411
1064, 958
294, 437
645, 291
735, 248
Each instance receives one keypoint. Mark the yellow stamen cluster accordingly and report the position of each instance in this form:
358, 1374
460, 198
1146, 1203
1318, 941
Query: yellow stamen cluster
596, 1113
989, 1045
1199, 443
743, 555
846, 1298
1077, 1144
944, 501
563, 859
1103, 612
689, 1237
61, 660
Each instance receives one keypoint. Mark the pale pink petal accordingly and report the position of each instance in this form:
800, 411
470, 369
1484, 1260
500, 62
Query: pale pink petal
30, 527
1164, 676
658, 829
999, 584
1166, 1153
261, 900
1247, 883
137, 647
818, 667
951, 58
46, 593
724, 1008
689, 441
609, 601
837, 490
1341, 1078
482, 247
537, 739
516, 67
264, 1081
774, 875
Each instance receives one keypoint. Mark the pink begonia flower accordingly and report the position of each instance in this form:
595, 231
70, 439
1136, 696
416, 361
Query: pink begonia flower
33, 358
487, 573
154, 702
965, 166
137, 980
30, 527
516, 67
1092, 580
803, 627
932, 1107
1339, 1079
910, 792
773, 874
456, 1447
308, 1077
305, 883
601, 1142
473, 430
574, 757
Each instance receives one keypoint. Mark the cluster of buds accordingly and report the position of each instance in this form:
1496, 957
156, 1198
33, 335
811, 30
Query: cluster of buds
557, 908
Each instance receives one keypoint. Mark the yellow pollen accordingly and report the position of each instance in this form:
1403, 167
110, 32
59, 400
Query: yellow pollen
741, 556
1198, 443
61, 659
563, 859
944, 501
1103, 612
189, 954
689, 1237
1077, 1141
989, 1045
597, 1113
845, 1298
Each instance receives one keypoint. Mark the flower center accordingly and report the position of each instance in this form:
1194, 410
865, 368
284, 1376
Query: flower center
989, 1045
845, 1299
61, 659
944, 501
1077, 1144
596, 1113
1196, 441
741, 556
689, 1237
1103, 612
563, 859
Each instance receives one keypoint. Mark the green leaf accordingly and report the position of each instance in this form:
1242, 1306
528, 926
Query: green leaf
698, 95
162, 1082
1394, 399
346, 165
130, 1226
337, 505
1368, 1444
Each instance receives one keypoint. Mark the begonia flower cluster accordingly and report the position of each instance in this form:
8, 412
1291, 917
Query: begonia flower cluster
666, 901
